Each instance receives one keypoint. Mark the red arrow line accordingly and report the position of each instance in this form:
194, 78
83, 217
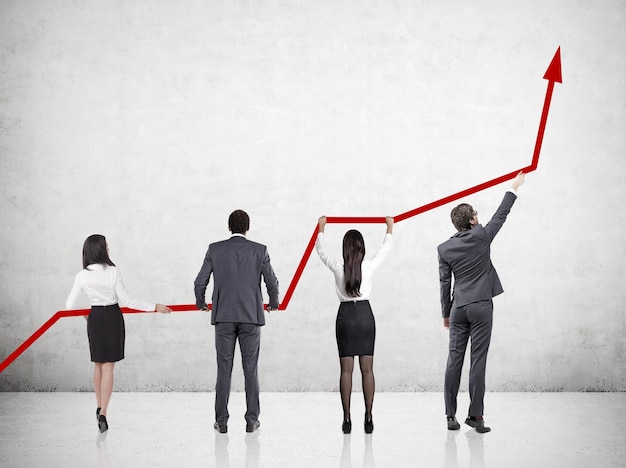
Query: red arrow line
553, 74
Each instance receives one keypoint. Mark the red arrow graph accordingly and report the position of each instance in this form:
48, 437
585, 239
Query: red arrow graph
553, 75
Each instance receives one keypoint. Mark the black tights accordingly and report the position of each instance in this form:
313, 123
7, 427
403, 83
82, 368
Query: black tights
345, 384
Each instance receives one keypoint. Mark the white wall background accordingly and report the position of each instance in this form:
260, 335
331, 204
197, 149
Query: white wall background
150, 122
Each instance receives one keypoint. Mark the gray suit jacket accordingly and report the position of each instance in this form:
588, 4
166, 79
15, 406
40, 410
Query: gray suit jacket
467, 256
237, 265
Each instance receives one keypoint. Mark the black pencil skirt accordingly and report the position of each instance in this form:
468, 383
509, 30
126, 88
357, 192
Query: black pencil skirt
355, 329
106, 333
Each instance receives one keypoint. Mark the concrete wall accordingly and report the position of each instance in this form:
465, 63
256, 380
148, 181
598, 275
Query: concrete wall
150, 122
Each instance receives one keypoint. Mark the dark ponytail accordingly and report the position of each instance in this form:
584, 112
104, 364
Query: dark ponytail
353, 254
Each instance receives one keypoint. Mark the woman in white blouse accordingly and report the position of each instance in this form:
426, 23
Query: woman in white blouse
355, 328
102, 283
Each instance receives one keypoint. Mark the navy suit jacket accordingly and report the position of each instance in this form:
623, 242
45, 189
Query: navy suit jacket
237, 265
467, 256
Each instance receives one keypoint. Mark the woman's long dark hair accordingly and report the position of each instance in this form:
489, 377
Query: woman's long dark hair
353, 254
95, 251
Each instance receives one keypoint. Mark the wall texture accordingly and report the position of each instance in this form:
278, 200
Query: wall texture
150, 122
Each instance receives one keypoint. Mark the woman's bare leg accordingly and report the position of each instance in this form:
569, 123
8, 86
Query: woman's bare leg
106, 387
97, 382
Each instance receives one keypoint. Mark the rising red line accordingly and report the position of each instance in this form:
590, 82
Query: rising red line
553, 74
299, 270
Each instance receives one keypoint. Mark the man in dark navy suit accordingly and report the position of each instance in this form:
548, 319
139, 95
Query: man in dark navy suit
237, 265
467, 307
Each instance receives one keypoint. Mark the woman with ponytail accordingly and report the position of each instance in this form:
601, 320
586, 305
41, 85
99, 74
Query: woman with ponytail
355, 327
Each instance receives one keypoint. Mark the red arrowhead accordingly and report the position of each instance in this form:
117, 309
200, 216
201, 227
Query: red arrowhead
553, 73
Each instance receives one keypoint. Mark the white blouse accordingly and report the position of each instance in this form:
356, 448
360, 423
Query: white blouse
367, 268
104, 286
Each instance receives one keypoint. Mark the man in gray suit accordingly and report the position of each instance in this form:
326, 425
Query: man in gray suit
468, 311
237, 265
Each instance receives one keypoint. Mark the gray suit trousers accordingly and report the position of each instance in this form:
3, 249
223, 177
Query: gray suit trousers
469, 322
249, 336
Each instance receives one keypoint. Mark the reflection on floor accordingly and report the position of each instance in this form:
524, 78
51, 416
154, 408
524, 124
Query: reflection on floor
304, 430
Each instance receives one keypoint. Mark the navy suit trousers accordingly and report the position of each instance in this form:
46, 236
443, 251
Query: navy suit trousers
469, 322
249, 336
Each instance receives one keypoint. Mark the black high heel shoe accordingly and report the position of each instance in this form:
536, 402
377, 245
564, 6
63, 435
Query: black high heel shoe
369, 425
102, 423
346, 427
98, 413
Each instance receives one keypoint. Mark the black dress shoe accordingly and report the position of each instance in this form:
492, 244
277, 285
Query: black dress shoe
453, 424
253, 427
221, 428
102, 423
346, 426
369, 425
98, 413
477, 424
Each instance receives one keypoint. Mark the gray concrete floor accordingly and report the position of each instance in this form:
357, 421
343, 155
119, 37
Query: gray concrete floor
304, 430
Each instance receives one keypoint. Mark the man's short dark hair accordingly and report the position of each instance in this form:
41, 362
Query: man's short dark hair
239, 222
461, 216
